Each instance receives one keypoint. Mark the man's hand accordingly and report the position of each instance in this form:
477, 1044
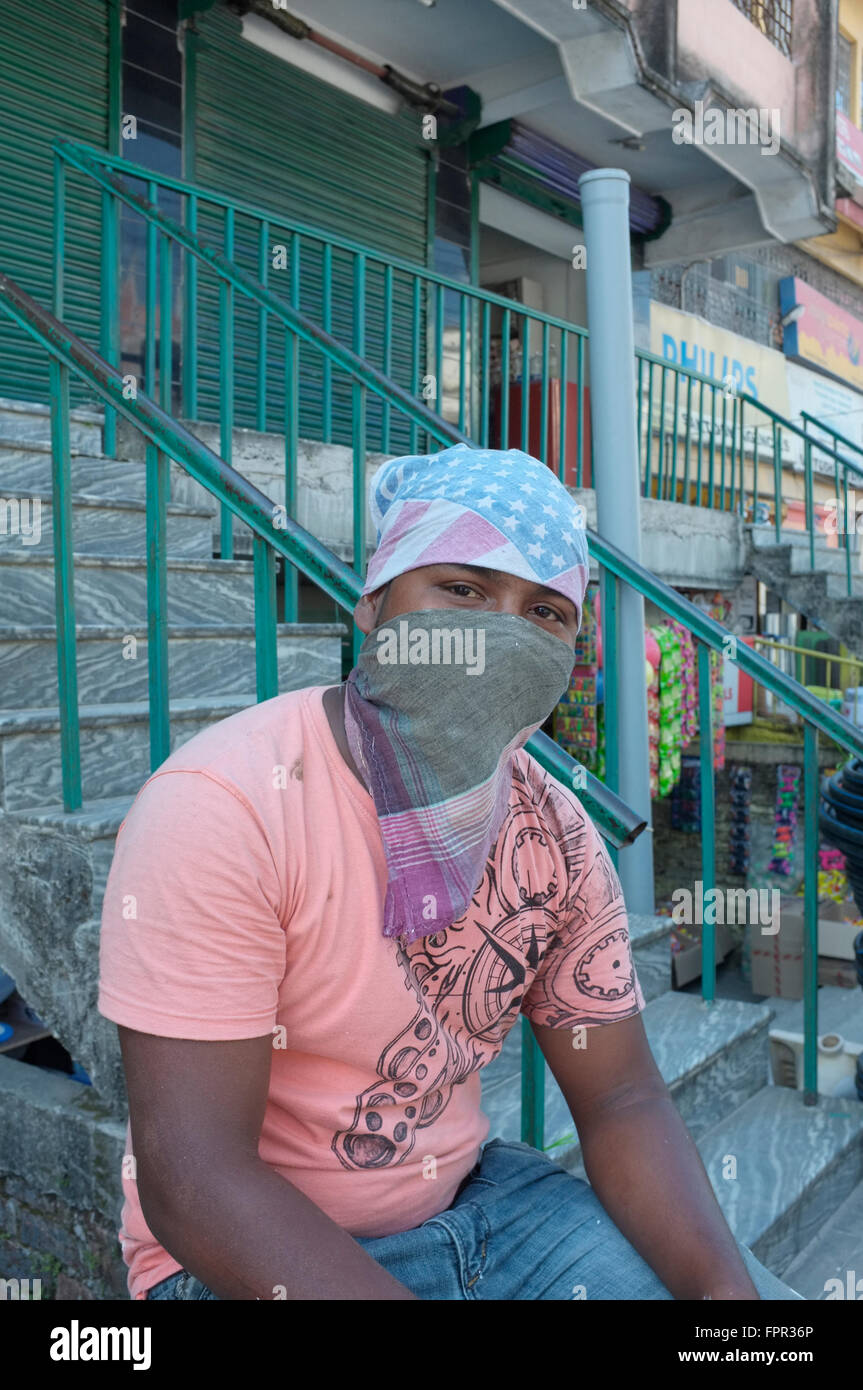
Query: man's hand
196, 1110
642, 1161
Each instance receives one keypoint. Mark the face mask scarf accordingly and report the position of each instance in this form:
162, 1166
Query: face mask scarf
434, 709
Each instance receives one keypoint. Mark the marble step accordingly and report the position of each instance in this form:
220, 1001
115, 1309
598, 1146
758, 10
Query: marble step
31, 421
111, 591
795, 1166
116, 527
711, 1056
202, 661
839, 1011
115, 747
26, 467
835, 1253
90, 833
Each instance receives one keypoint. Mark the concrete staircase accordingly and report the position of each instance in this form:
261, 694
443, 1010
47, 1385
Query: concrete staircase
788, 1177
57, 863
820, 594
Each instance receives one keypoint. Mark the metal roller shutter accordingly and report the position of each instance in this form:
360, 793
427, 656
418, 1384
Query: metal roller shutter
271, 135
53, 81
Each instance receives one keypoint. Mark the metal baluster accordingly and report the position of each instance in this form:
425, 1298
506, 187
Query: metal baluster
504, 380
485, 385
660, 476
415, 357
327, 319
648, 481
708, 818
579, 439
190, 319
688, 438
263, 276
674, 439
292, 433
543, 411
710, 499
564, 402
358, 392
292, 426
462, 359
525, 384
226, 381
386, 408
64, 582
777, 480
109, 325
266, 632
810, 913
722, 453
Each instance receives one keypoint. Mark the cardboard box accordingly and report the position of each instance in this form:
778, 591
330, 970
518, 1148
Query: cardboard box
777, 960
686, 962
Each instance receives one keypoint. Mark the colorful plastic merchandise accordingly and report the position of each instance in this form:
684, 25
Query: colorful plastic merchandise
686, 798
740, 792
785, 822
575, 723
718, 607
652, 675
670, 707
689, 681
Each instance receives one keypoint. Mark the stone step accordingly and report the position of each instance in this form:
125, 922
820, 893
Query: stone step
831, 1265
711, 1056
115, 747
837, 586
101, 526
29, 420
839, 1011
26, 467
826, 561
111, 591
202, 661
795, 1166
764, 537
84, 839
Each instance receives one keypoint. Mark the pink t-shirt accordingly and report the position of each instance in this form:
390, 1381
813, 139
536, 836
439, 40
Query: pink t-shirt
246, 898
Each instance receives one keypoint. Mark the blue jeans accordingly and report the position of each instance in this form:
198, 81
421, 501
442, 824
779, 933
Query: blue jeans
520, 1228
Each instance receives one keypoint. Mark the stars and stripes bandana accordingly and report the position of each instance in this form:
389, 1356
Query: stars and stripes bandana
498, 508
434, 746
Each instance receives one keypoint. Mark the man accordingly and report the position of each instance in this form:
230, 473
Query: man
324, 915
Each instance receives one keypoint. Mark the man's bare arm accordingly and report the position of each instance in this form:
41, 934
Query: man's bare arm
196, 1110
642, 1161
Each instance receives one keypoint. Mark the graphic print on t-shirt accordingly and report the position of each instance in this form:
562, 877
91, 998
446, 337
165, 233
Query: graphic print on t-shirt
557, 935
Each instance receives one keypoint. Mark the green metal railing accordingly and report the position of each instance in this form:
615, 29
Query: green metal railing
506, 368
696, 435
460, 348
278, 535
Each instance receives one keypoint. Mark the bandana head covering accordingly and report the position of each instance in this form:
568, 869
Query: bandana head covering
496, 508
434, 746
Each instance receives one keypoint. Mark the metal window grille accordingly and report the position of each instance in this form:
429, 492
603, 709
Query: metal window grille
773, 18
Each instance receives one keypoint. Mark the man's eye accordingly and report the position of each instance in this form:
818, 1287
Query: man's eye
466, 590
545, 613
